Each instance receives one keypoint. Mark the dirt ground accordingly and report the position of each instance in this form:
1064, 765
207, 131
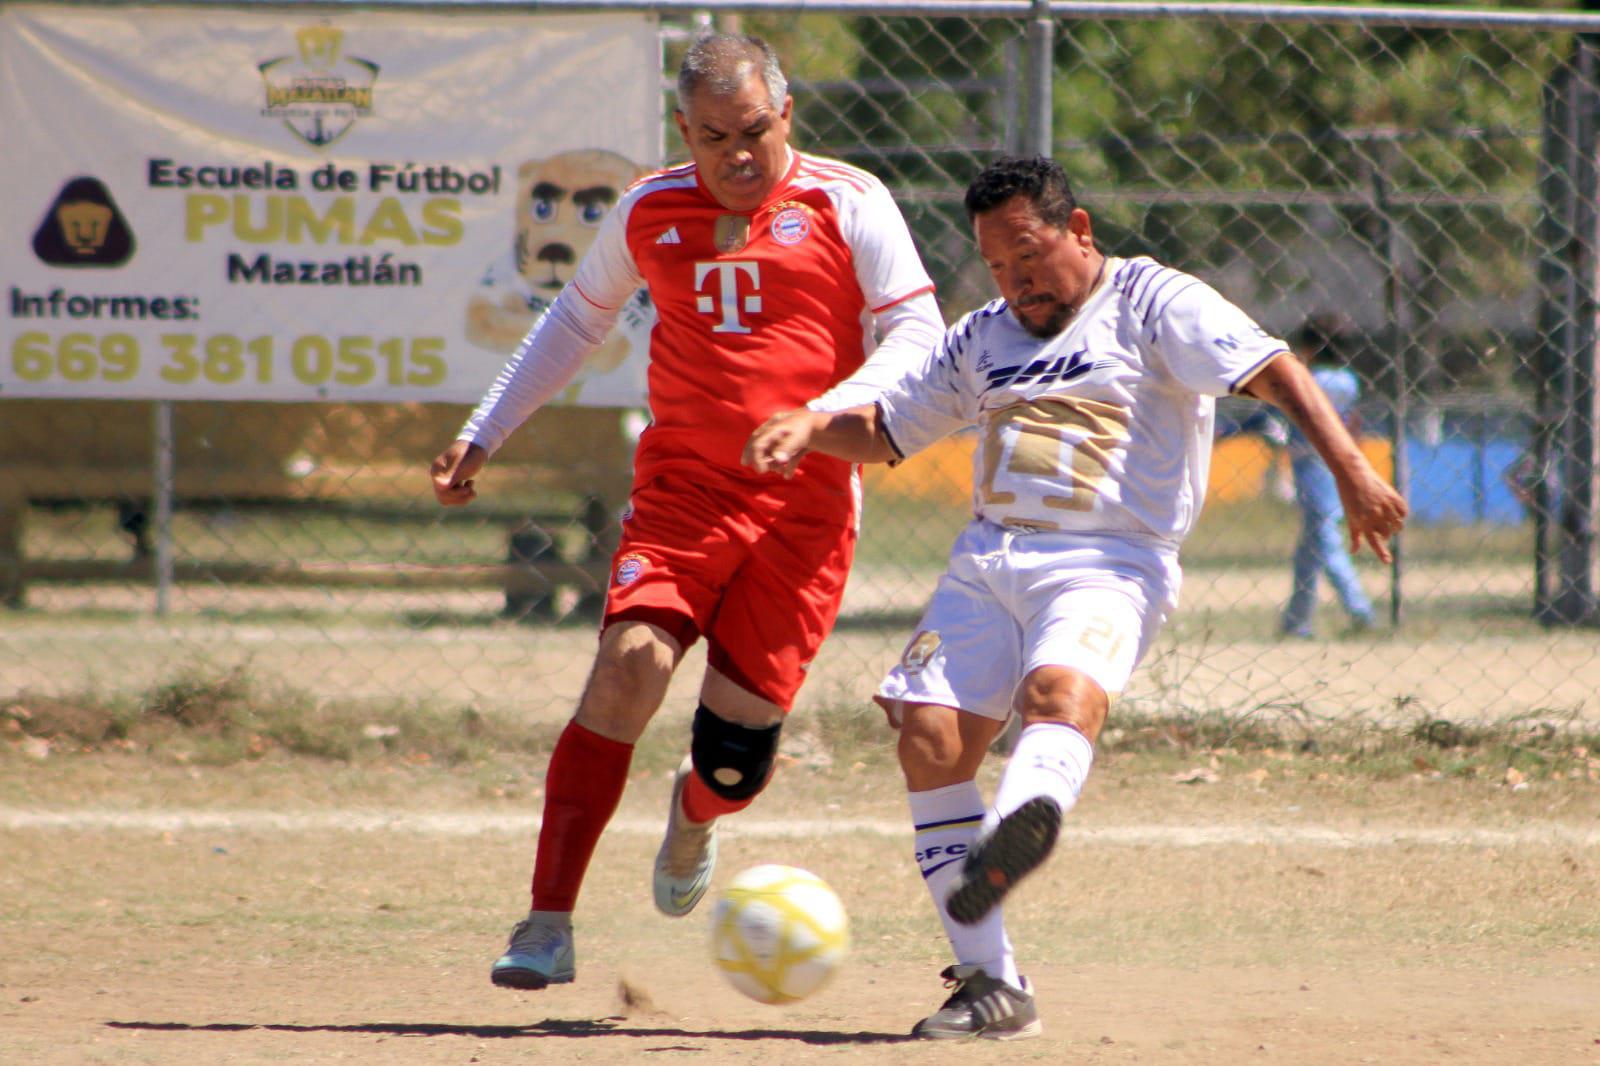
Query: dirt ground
414, 1013
307, 912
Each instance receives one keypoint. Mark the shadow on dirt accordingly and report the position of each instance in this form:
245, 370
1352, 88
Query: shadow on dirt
613, 1027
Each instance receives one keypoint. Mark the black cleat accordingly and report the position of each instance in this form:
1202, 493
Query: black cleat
1021, 841
982, 1007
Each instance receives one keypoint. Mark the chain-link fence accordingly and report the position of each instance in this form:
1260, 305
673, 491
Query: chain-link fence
1422, 181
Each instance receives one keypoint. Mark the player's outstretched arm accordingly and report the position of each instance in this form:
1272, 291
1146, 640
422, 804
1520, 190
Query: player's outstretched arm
779, 443
1373, 510
453, 471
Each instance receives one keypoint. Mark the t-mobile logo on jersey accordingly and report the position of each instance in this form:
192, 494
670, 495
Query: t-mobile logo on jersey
727, 300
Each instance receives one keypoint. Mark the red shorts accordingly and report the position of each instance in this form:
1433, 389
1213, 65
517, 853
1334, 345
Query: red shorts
756, 565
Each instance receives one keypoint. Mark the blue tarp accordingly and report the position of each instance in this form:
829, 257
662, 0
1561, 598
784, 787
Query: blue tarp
1463, 481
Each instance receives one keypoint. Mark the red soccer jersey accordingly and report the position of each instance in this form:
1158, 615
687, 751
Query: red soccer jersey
756, 311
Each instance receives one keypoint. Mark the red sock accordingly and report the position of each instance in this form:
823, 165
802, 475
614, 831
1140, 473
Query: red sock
702, 805
582, 788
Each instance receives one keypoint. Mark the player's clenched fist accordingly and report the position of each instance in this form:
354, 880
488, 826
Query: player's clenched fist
454, 470
779, 443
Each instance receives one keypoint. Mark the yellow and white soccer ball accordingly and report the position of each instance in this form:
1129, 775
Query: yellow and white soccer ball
778, 933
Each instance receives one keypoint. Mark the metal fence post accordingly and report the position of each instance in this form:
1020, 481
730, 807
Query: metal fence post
1554, 325
164, 466
1036, 134
1397, 338
1575, 601
1011, 120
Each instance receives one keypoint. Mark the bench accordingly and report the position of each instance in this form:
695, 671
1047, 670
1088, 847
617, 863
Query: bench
580, 457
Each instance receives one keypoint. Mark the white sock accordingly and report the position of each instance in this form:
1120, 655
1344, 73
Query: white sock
563, 918
947, 821
1050, 759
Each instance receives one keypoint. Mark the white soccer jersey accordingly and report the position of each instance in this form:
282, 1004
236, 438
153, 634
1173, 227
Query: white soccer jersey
1105, 427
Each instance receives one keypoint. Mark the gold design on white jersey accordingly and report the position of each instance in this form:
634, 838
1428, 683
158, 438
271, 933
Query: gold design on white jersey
920, 650
1039, 429
1101, 637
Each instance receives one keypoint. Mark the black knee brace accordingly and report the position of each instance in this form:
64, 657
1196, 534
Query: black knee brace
733, 760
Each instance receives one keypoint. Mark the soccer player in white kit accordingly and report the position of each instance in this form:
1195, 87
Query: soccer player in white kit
1091, 382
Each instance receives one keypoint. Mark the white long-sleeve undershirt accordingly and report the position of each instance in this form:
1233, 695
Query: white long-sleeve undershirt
909, 329
544, 363
571, 328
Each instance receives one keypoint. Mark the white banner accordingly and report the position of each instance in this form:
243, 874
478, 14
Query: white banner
218, 204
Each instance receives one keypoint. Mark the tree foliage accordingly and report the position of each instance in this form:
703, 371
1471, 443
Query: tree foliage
1214, 143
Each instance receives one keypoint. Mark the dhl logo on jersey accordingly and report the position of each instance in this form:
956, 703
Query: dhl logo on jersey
1062, 368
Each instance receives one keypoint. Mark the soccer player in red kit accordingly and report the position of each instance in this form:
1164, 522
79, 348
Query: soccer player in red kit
771, 273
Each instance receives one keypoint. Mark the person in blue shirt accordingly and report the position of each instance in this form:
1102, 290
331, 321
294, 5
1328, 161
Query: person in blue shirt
1321, 548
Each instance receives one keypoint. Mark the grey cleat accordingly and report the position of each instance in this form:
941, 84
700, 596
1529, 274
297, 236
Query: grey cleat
540, 953
1020, 842
688, 854
981, 1006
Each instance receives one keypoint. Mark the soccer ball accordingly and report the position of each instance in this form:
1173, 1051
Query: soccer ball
778, 933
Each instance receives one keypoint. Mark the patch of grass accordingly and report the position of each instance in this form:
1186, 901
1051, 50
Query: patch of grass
839, 732
223, 719
1557, 745
1244, 532
212, 718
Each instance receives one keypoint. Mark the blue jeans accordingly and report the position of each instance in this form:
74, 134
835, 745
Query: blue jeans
1321, 550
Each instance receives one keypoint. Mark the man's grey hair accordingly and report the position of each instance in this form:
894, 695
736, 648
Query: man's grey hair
721, 63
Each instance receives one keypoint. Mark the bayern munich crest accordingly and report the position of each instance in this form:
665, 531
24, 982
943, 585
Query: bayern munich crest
629, 569
791, 225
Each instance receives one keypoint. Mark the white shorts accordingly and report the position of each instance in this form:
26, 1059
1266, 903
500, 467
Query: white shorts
1013, 601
